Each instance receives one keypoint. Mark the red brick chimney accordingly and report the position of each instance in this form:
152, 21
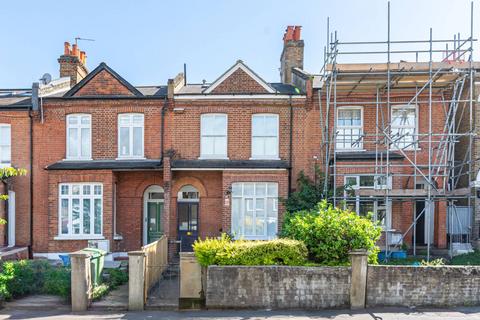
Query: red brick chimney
292, 54
73, 63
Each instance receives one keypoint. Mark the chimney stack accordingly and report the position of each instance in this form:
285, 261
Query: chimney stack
73, 63
292, 54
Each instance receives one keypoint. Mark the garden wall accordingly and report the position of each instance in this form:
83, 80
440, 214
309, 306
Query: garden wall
423, 286
278, 287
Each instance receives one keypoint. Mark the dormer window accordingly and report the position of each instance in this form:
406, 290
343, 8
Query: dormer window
130, 135
79, 137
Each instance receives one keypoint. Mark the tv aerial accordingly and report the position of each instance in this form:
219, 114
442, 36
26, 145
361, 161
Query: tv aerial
82, 39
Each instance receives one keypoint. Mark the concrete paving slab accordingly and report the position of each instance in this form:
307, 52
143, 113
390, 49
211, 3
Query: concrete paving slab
38, 302
115, 300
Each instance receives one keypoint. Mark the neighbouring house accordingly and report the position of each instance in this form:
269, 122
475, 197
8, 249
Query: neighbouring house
117, 166
15, 150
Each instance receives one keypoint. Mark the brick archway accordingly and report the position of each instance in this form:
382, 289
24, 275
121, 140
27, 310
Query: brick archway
197, 183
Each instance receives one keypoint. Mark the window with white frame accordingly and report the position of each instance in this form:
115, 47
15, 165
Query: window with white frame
5, 145
379, 209
213, 142
80, 209
349, 128
255, 210
265, 136
130, 135
404, 127
79, 136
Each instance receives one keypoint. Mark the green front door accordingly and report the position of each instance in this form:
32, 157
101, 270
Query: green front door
154, 221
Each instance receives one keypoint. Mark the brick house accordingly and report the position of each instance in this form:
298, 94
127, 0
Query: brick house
120, 165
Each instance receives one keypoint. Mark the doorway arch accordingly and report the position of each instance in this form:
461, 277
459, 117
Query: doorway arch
153, 203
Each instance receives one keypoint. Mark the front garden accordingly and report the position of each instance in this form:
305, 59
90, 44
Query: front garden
28, 277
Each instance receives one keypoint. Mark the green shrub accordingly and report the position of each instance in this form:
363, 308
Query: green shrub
468, 259
19, 278
116, 277
224, 251
331, 233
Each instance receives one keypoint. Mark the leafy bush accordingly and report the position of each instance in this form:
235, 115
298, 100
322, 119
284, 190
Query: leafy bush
224, 251
469, 259
331, 233
310, 192
19, 278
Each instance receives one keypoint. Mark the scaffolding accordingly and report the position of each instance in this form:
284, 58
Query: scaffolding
438, 83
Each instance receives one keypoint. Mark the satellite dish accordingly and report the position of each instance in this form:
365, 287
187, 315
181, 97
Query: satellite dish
46, 78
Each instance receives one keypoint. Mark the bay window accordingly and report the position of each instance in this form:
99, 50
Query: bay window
130, 135
80, 210
265, 136
349, 128
404, 127
5, 145
255, 210
213, 131
79, 133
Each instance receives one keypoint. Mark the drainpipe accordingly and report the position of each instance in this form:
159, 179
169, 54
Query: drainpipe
30, 247
162, 128
290, 160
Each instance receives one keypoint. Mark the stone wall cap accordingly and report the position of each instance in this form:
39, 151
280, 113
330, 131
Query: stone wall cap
80, 254
358, 252
187, 254
137, 253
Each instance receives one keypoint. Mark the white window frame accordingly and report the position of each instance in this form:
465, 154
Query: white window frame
414, 144
131, 126
215, 155
340, 144
277, 136
357, 200
79, 126
70, 196
3, 162
243, 208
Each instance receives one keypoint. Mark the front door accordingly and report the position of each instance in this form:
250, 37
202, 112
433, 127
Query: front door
154, 221
420, 227
187, 224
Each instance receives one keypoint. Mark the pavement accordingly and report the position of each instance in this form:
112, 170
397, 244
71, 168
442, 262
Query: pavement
368, 314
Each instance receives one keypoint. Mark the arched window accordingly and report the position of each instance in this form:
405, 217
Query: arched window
188, 193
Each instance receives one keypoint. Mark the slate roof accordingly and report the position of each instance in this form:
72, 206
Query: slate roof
107, 164
15, 98
229, 164
280, 88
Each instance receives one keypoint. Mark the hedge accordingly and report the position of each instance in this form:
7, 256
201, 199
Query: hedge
224, 251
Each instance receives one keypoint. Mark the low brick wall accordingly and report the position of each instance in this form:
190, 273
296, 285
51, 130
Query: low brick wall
278, 287
423, 286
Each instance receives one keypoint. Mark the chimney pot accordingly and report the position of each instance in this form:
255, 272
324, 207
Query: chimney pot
74, 50
297, 33
288, 36
66, 48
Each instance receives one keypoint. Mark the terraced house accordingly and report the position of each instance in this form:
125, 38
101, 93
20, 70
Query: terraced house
116, 166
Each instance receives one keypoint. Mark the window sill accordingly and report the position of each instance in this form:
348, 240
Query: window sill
350, 150
131, 158
406, 149
78, 159
261, 158
65, 237
213, 158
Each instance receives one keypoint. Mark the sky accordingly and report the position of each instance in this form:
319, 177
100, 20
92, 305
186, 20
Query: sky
148, 41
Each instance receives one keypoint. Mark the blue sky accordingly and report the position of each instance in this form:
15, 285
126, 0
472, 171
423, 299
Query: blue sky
147, 42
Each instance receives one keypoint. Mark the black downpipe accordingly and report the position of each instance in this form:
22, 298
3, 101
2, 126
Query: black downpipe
162, 128
290, 149
30, 247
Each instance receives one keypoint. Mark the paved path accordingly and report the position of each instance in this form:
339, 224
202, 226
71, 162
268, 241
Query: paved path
374, 314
